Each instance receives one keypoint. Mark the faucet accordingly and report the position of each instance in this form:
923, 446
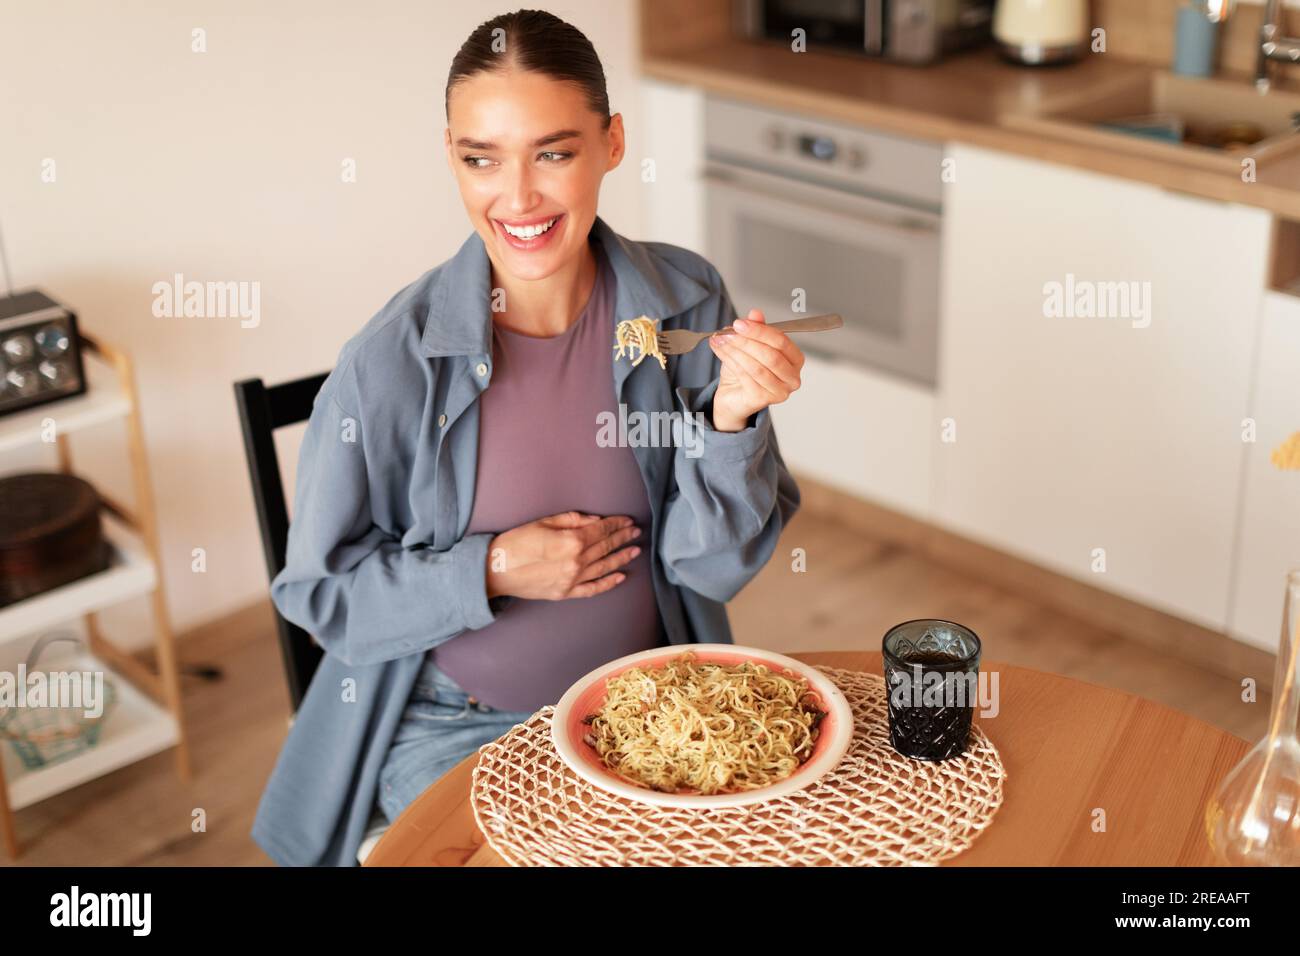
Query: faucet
1273, 46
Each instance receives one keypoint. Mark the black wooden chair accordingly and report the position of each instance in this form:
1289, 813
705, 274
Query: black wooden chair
262, 410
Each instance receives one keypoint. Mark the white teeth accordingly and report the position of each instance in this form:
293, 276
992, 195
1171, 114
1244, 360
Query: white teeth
529, 232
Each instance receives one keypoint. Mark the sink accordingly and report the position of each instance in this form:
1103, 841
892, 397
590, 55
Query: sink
1206, 107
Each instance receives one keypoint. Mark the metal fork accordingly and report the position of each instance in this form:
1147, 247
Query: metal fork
680, 341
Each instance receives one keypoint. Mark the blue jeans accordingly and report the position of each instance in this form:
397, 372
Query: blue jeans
440, 727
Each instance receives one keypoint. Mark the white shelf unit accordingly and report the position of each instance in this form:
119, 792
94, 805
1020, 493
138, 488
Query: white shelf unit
103, 401
130, 573
147, 717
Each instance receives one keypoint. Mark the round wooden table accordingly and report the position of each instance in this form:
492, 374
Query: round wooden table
1069, 748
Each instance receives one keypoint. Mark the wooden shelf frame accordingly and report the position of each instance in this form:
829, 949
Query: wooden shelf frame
160, 683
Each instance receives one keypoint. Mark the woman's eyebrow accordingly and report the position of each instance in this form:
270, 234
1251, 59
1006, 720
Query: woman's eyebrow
466, 143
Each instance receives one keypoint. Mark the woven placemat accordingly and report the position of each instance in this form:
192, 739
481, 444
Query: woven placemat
876, 808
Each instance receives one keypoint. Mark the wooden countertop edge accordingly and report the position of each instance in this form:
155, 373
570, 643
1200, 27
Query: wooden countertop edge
834, 659
1176, 177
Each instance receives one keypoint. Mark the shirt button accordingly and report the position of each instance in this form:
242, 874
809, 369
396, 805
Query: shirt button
481, 369
442, 420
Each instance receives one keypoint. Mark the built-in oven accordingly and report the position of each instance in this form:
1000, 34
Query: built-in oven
806, 216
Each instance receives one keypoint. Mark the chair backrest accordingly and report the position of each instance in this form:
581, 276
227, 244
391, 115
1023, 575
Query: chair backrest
261, 411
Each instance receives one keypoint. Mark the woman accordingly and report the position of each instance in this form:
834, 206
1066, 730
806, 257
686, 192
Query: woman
466, 541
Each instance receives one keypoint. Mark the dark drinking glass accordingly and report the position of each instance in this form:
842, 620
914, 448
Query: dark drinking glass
931, 675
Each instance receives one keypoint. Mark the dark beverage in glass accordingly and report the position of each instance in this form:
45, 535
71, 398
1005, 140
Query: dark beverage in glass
931, 675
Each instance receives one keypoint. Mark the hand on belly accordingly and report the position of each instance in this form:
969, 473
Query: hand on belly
568, 555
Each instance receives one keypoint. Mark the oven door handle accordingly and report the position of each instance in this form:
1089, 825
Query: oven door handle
875, 212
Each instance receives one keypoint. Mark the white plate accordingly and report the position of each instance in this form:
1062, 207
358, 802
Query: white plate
588, 695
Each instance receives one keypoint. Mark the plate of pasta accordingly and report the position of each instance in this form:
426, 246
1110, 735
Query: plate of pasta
703, 725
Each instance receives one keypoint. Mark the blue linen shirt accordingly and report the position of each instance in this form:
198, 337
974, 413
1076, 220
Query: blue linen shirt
379, 568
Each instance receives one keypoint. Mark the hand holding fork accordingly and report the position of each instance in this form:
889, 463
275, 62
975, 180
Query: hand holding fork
760, 364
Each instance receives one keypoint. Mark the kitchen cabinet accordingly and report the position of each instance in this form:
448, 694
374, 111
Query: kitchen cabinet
672, 187
862, 432
1108, 435
1269, 543
1102, 440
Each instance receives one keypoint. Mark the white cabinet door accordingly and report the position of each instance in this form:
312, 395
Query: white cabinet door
864, 432
1115, 435
1270, 516
673, 195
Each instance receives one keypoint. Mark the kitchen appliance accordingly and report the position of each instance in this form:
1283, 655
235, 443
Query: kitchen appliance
40, 352
911, 31
830, 218
1041, 32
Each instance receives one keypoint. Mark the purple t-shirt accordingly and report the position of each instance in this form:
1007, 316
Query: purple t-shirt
538, 456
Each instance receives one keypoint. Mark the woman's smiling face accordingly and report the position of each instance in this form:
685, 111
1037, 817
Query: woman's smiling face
529, 154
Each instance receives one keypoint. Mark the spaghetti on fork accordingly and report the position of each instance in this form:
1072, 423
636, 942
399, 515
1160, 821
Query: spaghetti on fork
638, 335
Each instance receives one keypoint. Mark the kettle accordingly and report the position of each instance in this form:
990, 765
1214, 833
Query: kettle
1039, 32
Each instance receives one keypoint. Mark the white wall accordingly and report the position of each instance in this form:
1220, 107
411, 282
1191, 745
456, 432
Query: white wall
225, 165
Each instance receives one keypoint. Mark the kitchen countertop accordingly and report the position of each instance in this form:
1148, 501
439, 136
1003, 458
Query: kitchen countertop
965, 98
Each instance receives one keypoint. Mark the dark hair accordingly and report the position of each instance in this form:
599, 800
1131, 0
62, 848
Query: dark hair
535, 41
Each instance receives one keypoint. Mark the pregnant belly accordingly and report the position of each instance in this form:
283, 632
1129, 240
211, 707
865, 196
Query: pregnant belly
534, 651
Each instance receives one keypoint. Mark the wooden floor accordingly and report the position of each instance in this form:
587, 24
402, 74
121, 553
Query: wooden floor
854, 588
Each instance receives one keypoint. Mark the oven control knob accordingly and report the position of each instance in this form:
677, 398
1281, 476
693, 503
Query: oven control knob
774, 137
